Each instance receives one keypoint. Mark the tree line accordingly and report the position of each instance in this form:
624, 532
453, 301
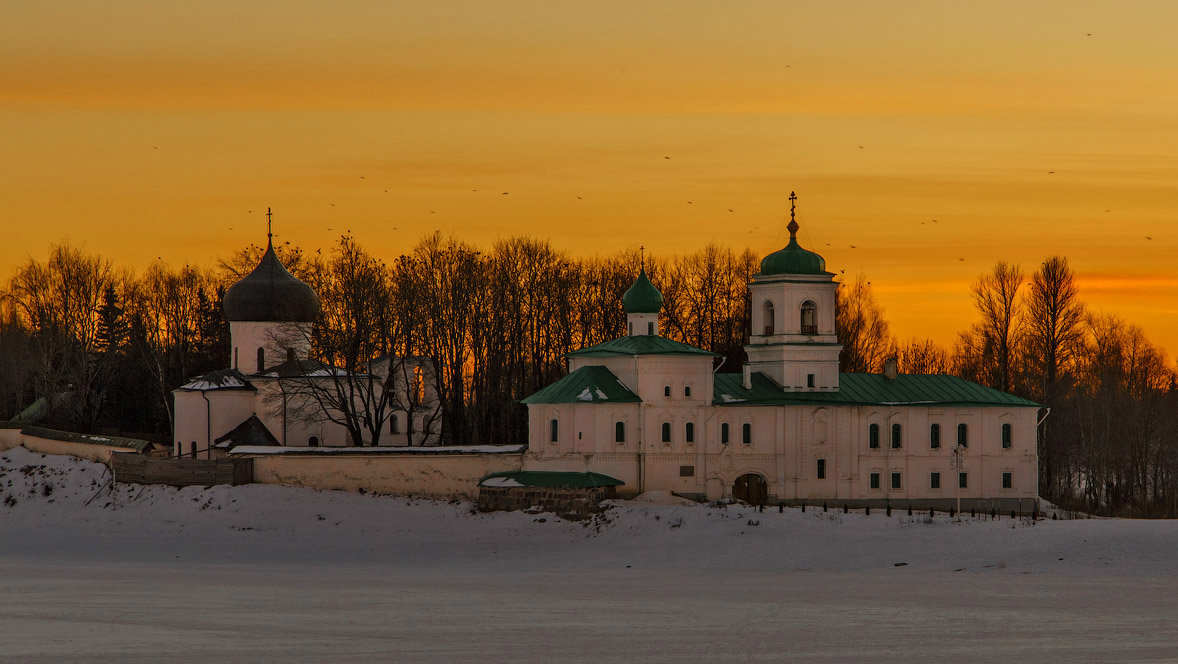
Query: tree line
104, 347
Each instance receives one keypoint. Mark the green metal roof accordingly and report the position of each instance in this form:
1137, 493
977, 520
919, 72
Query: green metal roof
642, 297
594, 384
535, 478
640, 345
793, 259
867, 389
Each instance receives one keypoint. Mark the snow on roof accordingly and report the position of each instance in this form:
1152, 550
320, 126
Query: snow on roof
221, 379
352, 449
500, 481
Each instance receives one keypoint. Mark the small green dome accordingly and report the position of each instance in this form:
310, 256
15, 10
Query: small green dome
793, 259
642, 297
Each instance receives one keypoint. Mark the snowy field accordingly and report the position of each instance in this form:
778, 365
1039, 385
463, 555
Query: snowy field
273, 574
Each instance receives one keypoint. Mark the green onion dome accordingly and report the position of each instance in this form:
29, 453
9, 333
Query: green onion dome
642, 297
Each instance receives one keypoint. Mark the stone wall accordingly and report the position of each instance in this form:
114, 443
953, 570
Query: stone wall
442, 476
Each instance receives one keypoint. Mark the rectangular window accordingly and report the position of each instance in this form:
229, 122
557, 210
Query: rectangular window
394, 424
689, 432
963, 480
809, 380
724, 433
1006, 437
934, 436
686, 471
746, 432
1007, 480
934, 480
895, 480
875, 480
822, 469
666, 432
555, 426
963, 435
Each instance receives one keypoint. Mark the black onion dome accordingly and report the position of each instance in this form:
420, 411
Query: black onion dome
271, 294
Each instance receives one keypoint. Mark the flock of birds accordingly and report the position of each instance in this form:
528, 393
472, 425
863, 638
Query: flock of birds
667, 157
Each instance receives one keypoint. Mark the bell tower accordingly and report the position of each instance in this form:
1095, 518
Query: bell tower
793, 298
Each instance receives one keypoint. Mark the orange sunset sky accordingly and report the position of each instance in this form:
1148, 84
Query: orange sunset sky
143, 129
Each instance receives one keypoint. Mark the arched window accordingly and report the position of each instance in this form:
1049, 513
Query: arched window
261, 359
1007, 436
620, 432
934, 436
666, 432
687, 391
746, 433
963, 434
767, 314
313, 441
689, 432
555, 431
666, 390
809, 317
724, 433
873, 436
897, 437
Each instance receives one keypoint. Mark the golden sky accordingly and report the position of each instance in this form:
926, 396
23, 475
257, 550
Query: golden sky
145, 129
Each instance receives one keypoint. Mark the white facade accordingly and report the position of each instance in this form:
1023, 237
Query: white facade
790, 427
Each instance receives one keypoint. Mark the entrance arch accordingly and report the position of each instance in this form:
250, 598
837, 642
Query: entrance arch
751, 488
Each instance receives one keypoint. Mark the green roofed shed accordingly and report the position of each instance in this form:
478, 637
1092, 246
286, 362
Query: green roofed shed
548, 479
593, 384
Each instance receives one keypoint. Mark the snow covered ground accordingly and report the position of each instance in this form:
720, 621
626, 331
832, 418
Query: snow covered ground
263, 573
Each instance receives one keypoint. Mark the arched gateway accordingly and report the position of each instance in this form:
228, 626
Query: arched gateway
750, 488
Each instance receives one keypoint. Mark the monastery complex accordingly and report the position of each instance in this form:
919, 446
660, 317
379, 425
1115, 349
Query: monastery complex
655, 414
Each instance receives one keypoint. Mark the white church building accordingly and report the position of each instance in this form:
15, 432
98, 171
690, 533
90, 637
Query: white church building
790, 427
270, 394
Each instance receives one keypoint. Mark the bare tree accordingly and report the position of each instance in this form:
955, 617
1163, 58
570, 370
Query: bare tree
924, 356
861, 329
994, 340
1054, 339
